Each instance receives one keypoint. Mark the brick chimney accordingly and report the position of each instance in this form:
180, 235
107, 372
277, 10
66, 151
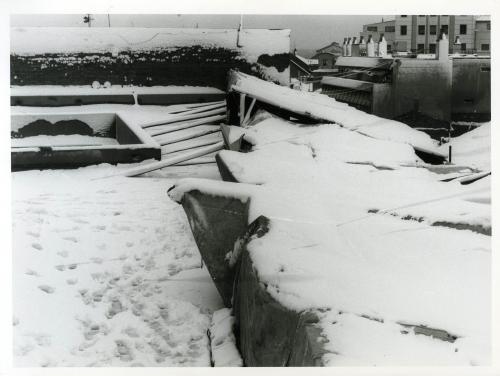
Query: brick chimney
349, 47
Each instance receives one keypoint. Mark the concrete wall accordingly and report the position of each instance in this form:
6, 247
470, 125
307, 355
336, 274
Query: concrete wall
424, 85
382, 100
471, 88
135, 144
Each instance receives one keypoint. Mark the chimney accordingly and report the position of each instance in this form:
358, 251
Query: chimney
443, 47
370, 47
382, 46
349, 47
344, 47
355, 47
362, 46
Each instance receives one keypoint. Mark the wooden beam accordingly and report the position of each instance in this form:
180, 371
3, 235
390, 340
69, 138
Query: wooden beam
188, 124
189, 137
249, 112
183, 117
242, 107
192, 146
174, 160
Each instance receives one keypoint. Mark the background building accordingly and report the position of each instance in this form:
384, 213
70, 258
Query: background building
418, 33
327, 55
376, 30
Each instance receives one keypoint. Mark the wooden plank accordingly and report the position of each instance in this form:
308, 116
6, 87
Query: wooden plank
202, 109
242, 107
189, 124
172, 161
196, 105
176, 119
198, 161
191, 146
189, 137
249, 112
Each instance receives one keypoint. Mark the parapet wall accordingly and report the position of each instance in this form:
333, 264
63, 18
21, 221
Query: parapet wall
146, 56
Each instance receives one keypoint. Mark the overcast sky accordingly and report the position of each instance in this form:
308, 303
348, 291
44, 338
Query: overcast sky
308, 32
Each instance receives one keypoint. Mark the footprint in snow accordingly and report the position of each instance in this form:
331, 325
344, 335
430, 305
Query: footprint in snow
124, 352
71, 239
72, 281
32, 272
115, 308
33, 234
47, 289
63, 253
37, 246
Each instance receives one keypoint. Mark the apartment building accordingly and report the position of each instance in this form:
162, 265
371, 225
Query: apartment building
419, 33
377, 29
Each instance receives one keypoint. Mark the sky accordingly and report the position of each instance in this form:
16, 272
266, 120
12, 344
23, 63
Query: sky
309, 32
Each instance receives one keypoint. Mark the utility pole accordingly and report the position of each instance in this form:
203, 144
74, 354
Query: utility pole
240, 27
88, 19
109, 21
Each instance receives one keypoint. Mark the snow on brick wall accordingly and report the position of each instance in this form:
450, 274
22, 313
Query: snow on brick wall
146, 56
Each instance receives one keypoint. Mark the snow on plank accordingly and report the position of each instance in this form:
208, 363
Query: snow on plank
189, 134
324, 109
168, 162
209, 139
183, 117
185, 125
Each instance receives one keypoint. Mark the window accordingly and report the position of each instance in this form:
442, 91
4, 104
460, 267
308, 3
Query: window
463, 46
432, 29
444, 29
485, 69
403, 29
432, 48
485, 47
488, 26
421, 29
390, 29
389, 48
420, 48
324, 61
463, 29
404, 15
371, 28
